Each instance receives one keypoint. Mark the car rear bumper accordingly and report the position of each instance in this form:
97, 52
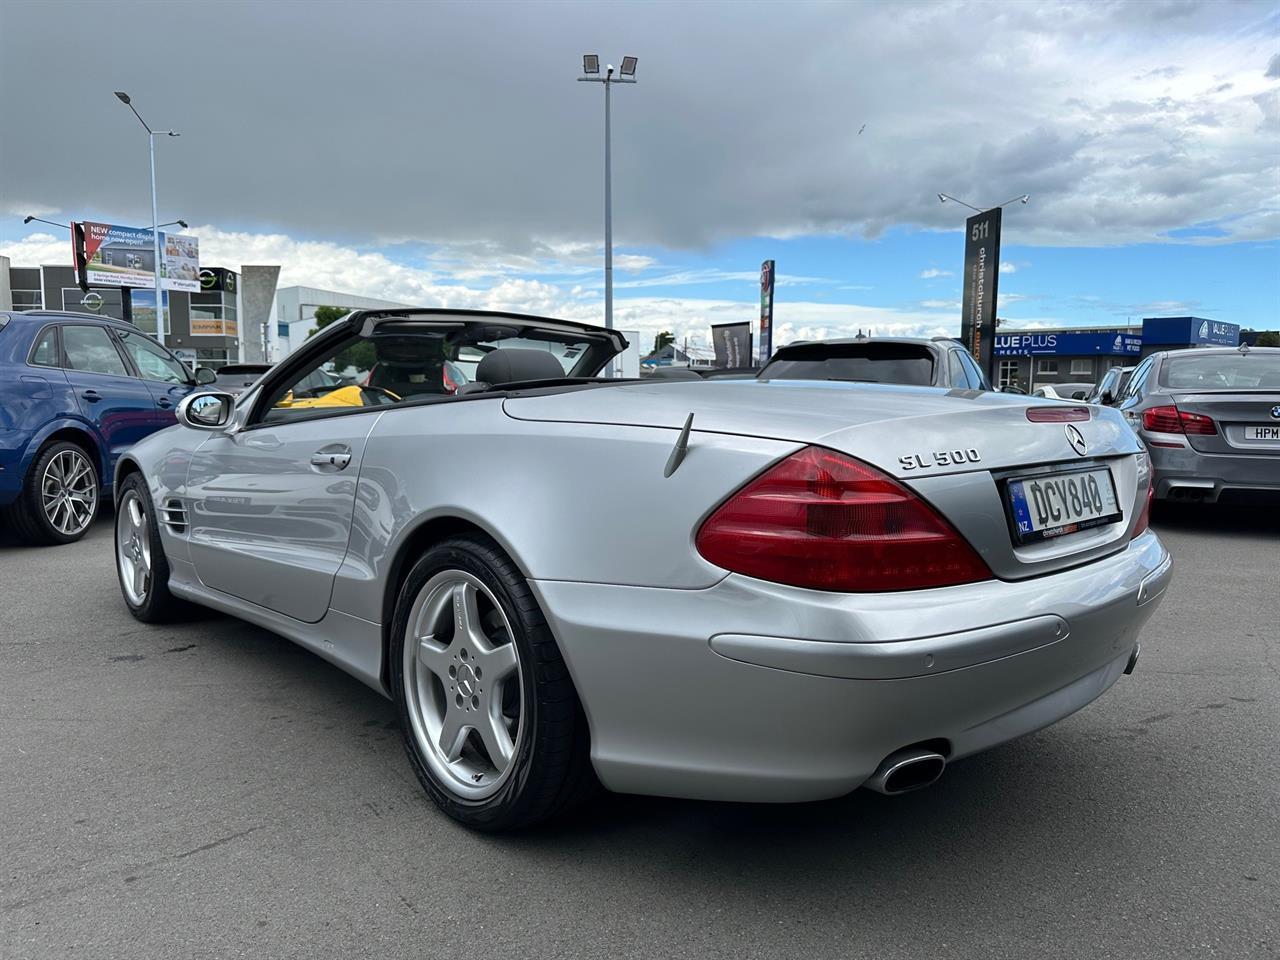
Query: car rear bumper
753, 691
1187, 474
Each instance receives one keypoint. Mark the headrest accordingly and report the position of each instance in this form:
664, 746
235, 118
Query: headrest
514, 365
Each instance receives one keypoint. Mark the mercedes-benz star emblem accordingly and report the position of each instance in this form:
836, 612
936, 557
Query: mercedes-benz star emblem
1076, 439
1275, 412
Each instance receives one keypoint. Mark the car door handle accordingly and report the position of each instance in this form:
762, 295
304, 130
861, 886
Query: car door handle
93, 396
337, 460
164, 402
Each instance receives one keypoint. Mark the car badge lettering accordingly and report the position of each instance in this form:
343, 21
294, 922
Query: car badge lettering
940, 458
1076, 439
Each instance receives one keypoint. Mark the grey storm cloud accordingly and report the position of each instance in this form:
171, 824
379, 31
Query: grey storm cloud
367, 122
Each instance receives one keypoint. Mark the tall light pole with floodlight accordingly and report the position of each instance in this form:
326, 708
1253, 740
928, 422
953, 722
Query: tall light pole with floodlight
155, 214
591, 74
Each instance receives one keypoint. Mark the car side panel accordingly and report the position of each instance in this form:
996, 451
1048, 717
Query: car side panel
35, 403
551, 494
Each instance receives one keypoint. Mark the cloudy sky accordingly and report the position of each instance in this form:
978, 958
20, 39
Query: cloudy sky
442, 154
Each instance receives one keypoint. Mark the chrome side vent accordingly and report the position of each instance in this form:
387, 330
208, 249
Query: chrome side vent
174, 515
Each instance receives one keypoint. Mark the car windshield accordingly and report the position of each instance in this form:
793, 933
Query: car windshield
1222, 372
907, 363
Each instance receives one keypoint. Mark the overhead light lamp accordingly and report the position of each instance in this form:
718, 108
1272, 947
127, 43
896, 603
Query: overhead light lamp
122, 97
628, 67
591, 63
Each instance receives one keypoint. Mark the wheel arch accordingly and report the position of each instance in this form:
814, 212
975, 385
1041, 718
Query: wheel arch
125, 466
70, 432
425, 534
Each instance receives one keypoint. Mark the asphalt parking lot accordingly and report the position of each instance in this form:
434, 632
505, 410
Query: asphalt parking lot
212, 790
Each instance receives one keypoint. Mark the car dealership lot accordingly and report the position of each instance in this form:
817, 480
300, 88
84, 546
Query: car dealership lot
211, 789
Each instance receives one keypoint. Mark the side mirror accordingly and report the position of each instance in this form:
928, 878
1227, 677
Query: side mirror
206, 411
1107, 398
205, 376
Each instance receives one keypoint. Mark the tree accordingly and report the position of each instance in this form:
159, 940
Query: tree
662, 339
361, 355
1269, 338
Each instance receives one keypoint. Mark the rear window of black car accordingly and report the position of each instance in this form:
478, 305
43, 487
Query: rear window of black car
907, 363
1221, 371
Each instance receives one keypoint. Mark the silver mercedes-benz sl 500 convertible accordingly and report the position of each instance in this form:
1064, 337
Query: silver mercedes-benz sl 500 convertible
727, 589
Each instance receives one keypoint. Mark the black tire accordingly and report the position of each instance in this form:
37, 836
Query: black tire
26, 516
158, 604
551, 772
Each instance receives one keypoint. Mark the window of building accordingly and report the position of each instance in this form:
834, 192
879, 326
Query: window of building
1082, 368
144, 310
1046, 366
1008, 372
214, 359
28, 300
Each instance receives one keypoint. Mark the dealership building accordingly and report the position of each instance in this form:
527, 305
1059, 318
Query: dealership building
201, 328
1034, 358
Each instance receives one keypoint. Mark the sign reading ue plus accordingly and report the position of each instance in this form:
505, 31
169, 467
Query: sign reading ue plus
981, 271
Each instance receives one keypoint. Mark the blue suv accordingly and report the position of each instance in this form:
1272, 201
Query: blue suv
75, 392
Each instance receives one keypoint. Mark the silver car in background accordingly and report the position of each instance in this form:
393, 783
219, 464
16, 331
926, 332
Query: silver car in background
1211, 420
756, 590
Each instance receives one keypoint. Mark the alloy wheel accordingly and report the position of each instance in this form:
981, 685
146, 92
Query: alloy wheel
463, 684
133, 548
69, 492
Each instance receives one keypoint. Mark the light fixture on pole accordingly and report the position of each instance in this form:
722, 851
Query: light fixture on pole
155, 216
944, 197
67, 226
591, 74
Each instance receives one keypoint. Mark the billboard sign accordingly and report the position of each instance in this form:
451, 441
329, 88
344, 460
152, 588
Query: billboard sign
732, 343
1189, 331
1067, 344
217, 280
981, 270
766, 310
109, 255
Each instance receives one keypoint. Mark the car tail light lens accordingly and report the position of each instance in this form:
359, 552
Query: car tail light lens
821, 520
1144, 517
1172, 420
1057, 414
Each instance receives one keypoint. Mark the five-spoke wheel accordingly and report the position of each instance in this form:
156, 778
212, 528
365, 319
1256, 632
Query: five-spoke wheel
490, 718
463, 682
133, 547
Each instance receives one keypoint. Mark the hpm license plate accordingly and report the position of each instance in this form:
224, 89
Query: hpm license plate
1060, 503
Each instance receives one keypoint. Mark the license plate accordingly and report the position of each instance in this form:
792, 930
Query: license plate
1056, 504
1262, 433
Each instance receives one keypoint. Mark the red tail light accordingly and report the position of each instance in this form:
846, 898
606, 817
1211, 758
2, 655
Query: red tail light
1144, 518
1172, 420
822, 520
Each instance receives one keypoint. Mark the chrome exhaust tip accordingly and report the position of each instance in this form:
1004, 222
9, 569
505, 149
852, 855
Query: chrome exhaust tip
907, 770
1133, 659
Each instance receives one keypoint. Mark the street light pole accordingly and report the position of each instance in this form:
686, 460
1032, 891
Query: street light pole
627, 74
155, 213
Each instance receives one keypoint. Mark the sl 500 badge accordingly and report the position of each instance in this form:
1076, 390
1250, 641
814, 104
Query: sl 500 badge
940, 458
